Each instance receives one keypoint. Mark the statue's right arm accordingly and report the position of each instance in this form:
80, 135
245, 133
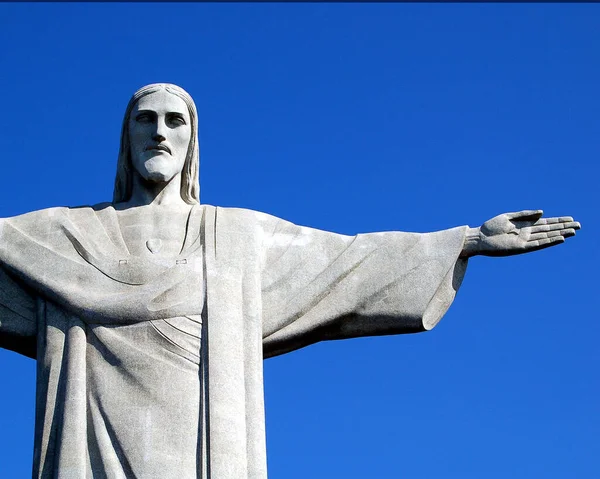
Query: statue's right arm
18, 323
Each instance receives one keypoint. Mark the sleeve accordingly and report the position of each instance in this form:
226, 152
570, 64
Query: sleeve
318, 285
18, 323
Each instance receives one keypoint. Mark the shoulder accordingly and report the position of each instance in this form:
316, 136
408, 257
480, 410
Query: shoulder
55, 215
248, 223
39, 217
247, 217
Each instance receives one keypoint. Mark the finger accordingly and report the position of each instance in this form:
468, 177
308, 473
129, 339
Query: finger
531, 215
544, 243
537, 228
566, 233
550, 221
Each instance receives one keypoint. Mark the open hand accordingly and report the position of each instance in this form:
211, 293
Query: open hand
516, 233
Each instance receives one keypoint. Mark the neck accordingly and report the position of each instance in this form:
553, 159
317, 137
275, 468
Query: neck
146, 193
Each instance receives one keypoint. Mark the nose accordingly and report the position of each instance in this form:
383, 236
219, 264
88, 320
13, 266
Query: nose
160, 131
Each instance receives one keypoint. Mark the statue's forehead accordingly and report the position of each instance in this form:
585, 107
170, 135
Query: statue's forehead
161, 101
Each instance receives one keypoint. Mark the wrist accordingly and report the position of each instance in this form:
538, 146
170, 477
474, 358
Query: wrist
472, 243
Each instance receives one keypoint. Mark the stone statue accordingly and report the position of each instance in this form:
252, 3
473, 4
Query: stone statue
150, 316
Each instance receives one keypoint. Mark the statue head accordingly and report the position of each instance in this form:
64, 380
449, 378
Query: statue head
134, 156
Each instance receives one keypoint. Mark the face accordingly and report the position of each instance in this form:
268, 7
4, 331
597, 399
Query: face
159, 132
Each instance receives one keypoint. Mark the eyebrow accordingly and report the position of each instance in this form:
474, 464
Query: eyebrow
138, 112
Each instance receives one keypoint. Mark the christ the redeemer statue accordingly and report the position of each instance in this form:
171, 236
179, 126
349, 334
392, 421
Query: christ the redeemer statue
150, 316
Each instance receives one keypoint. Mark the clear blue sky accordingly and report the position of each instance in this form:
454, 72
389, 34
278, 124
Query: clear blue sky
355, 118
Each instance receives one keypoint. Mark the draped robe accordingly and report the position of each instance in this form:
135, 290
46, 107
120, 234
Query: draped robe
153, 367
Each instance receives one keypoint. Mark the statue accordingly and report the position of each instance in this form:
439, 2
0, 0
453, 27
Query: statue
150, 316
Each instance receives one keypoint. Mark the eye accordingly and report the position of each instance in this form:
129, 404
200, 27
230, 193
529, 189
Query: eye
143, 118
176, 120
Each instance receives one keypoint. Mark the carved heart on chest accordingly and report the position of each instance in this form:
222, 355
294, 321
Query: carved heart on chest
154, 245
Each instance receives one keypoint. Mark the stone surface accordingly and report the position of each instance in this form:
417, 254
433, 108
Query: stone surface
150, 315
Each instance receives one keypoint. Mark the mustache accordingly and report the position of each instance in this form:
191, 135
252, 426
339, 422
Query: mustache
158, 146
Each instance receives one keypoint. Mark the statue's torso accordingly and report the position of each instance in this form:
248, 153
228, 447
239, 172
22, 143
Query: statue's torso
140, 407
154, 230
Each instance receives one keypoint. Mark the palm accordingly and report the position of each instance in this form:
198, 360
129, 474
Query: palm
524, 231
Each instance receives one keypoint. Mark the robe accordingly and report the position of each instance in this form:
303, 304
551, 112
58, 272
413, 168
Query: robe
153, 367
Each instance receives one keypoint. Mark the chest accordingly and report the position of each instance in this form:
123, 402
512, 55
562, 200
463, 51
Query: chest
149, 234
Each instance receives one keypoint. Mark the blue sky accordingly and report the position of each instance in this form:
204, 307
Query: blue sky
355, 118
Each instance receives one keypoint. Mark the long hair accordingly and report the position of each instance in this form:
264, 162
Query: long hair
190, 185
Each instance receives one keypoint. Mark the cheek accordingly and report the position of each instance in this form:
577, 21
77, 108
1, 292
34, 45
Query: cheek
136, 139
182, 139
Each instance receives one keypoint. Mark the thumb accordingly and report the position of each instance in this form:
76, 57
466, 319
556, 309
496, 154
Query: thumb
525, 215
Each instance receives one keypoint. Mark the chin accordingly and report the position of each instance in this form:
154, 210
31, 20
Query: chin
158, 176
157, 170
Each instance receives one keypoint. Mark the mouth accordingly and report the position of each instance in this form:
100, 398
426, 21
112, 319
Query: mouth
158, 148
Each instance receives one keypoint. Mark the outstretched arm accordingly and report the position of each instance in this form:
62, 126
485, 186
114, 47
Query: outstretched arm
318, 285
18, 322
516, 233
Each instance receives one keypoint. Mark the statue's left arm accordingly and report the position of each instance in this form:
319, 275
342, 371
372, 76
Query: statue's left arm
318, 285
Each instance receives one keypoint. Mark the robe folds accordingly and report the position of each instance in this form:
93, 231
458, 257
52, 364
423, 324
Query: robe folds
152, 367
